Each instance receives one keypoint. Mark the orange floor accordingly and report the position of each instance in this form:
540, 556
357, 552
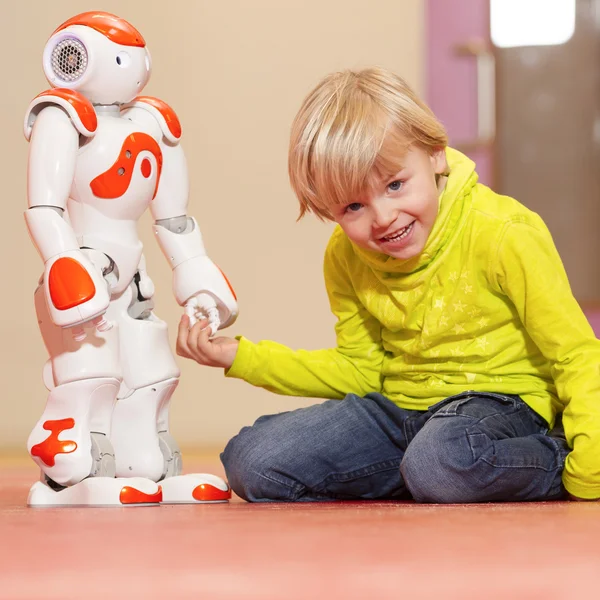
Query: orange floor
333, 550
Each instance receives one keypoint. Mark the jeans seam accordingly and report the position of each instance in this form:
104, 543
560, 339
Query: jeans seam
408, 429
295, 489
380, 467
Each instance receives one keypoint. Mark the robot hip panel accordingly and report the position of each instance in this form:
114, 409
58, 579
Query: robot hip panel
144, 347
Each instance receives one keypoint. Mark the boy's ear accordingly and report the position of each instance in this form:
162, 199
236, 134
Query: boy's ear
438, 161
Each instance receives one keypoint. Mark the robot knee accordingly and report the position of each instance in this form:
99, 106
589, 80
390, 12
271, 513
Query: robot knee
149, 463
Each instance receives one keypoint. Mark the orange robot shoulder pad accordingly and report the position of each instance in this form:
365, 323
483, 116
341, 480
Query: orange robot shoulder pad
162, 112
77, 106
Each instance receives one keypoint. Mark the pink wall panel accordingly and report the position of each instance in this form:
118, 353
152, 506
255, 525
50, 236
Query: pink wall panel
451, 79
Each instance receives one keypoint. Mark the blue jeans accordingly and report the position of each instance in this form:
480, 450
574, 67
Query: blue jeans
473, 447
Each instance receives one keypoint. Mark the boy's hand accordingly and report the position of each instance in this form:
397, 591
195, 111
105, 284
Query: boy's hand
196, 343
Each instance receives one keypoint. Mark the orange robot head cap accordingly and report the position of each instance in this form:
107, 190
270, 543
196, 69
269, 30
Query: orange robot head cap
114, 28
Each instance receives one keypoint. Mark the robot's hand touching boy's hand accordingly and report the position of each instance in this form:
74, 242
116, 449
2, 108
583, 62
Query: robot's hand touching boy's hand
205, 292
194, 342
213, 308
198, 284
203, 306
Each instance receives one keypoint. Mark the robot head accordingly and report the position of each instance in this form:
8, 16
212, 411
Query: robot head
100, 55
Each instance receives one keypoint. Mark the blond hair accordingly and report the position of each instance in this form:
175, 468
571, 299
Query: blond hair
352, 130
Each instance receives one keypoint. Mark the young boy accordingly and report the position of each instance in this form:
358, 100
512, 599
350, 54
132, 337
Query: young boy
458, 338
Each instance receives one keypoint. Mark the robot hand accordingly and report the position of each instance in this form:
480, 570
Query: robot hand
203, 306
204, 291
76, 292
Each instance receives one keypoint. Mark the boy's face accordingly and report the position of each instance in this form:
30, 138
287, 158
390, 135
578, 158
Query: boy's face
397, 216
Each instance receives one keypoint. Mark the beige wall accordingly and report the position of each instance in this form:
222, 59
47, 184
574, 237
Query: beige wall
236, 73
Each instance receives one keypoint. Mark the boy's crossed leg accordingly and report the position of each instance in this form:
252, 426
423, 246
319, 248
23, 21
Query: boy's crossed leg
469, 448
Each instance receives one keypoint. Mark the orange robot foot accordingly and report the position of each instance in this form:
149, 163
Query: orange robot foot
97, 491
195, 488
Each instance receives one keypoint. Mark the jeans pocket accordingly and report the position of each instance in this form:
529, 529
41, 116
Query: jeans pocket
452, 404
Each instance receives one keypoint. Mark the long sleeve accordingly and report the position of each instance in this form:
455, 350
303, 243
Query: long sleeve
353, 366
530, 271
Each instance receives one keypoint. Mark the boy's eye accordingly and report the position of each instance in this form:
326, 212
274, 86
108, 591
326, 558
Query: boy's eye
395, 185
355, 206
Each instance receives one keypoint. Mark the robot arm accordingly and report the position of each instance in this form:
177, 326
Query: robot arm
74, 288
198, 284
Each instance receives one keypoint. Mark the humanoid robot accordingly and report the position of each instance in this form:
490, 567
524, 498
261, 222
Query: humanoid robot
100, 155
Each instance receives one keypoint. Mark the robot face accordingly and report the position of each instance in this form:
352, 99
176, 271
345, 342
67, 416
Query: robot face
106, 68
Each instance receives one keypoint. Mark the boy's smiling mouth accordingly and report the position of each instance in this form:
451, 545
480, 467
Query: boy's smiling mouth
397, 235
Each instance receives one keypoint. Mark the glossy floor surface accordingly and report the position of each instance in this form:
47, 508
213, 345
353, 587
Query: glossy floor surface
276, 551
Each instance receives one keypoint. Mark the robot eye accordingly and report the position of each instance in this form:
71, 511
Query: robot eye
123, 59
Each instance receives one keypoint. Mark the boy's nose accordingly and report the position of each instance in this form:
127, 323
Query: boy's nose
384, 216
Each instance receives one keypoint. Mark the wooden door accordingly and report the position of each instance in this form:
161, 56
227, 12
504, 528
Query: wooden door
548, 141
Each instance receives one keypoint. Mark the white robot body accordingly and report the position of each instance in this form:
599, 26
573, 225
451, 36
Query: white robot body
99, 158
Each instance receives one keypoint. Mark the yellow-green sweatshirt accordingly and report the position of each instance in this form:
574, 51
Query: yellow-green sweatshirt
486, 307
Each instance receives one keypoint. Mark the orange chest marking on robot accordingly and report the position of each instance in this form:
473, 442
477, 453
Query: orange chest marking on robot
50, 447
115, 182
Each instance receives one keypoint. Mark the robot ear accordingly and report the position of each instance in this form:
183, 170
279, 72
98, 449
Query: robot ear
65, 59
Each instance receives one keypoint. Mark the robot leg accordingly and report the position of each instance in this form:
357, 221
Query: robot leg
71, 441
140, 429
143, 448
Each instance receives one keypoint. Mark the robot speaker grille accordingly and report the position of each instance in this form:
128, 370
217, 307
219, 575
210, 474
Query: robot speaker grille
69, 60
